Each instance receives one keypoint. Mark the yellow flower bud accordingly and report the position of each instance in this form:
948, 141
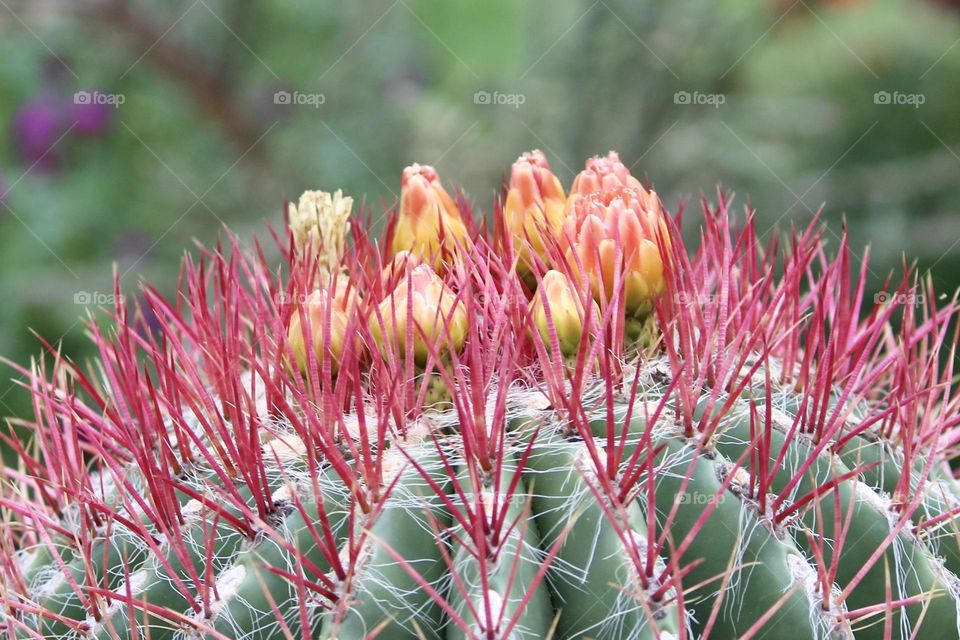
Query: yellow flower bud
439, 319
557, 294
534, 208
316, 308
628, 221
429, 224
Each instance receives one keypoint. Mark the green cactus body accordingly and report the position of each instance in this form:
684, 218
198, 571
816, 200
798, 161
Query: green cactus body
41, 563
493, 591
252, 594
167, 581
103, 566
383, 595
907, 564
760, 563
593, 581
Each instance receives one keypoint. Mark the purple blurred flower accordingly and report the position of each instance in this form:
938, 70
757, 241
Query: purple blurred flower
36, 128
91, 119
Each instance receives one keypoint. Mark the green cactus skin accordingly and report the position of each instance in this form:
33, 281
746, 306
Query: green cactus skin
249, 612
159, 584
41, 561
591, 561
383, 595
907, 558
248, 609
511, 572
108, 556
939, 492
584, 594
737, 538
110, 559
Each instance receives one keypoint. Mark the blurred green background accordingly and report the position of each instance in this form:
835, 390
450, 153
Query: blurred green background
197, 113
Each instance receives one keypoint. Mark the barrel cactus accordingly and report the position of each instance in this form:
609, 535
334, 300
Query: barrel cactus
562, 422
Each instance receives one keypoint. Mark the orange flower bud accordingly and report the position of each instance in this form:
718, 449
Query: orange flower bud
534, 208
557, 293
603, 174
317, 306
439, 319
628, 221
429, 223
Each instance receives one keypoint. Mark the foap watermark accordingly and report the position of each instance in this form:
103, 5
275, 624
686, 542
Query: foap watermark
906, 299
497, 98
686, 299
698, 98
699, 498
99, 97
296, 299
299, 99
97, 298
900, 99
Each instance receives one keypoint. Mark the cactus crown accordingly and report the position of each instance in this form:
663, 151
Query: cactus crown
571, 427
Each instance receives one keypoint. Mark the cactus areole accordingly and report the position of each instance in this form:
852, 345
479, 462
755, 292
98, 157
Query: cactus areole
562, 422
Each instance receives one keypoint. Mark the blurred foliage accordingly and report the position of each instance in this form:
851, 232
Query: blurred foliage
199, 141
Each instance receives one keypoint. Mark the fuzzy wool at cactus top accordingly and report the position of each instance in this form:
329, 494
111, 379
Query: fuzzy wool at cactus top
560, 424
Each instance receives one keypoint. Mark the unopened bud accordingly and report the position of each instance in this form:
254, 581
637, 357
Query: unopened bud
620, 231
439, 319
320, 312
533, 211
603, 174
345, 294
399, 266
429, 224
557, 295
